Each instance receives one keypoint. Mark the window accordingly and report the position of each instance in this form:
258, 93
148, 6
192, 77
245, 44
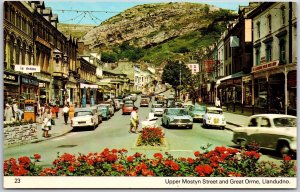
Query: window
253, 123
229, 50
268, 52
257, 56
283, 15
258, 29
265, 122
282, 51
270, 23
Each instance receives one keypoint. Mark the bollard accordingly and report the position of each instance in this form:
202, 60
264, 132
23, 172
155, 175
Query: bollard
227, 106
233, 107
242, 107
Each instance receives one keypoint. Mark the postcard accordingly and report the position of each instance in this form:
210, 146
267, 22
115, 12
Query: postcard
149, 94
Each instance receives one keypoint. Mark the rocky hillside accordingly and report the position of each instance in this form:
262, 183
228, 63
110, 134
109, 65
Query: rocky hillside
156, 32
150, 24
77, 31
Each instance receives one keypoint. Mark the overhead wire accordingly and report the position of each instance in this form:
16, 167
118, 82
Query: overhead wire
74, 18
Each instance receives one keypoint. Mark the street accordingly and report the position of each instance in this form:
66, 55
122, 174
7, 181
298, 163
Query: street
114, 134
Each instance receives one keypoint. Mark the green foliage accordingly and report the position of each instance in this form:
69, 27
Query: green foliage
171, 73
109, 57
125, 50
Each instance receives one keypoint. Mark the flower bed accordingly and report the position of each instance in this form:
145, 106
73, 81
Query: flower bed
152, 136
220, 162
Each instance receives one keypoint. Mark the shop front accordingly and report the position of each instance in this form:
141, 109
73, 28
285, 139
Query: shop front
57, 92
11, 88
44, 87
88, 94
29, 89
71, 87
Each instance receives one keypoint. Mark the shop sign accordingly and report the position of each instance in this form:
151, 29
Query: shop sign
265, 66
42, 85
28, 68
30, 81
246, 78
10, 77
209, 65
82, 85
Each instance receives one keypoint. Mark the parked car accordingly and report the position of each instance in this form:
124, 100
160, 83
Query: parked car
197, 112
85, 117
117, 104
104, 110
177, 117
128, 102
214, 117
110, 106
99, 114
170, 102
127, 108
157, 109
188, 105
272, 131
159, 96
133, 96
144, 102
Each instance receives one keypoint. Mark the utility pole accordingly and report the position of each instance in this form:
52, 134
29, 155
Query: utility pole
180, 80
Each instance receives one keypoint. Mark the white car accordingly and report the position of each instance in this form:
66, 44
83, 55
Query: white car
157, 109
85, 117
214, 117
272, 131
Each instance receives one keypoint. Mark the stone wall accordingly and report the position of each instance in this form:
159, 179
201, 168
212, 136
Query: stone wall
19, 134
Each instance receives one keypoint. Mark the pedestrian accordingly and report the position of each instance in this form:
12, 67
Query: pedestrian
8, 113
52, 110
71, 111
66, 114
46, 126
56, 108
134, 120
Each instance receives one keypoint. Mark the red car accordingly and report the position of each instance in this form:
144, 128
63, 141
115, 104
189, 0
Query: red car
127, 108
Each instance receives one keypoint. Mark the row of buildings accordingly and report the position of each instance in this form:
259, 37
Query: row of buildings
43, 65
253, 64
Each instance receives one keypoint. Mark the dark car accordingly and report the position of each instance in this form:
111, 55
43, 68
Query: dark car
144, 102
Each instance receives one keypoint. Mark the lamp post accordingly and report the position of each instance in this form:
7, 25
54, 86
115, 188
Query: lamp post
180, 79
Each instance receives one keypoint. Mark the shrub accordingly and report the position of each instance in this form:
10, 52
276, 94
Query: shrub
151, 136
220, 162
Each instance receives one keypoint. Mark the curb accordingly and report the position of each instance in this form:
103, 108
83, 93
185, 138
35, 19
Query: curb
234, 124
40, 140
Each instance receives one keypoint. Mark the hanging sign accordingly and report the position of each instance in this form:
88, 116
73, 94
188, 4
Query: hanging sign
28, 68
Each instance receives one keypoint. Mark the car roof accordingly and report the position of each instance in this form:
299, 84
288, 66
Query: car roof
273, 115
214, 108
83, 109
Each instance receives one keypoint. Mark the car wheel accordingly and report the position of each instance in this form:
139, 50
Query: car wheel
283, 148
191, 127
94, 126
204, 124
222, 127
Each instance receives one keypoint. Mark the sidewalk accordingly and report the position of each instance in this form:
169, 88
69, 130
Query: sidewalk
57, 130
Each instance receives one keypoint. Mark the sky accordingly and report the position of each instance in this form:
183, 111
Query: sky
107, 9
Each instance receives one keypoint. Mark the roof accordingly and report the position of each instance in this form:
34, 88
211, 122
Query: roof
214, 108
235, 75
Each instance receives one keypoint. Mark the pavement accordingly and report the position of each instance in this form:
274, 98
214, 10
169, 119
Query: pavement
57, 130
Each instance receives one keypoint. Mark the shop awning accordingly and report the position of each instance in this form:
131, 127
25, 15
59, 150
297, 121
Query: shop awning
235, 75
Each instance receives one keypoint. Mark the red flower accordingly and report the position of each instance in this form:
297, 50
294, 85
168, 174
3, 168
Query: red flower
287, 158
71, 168
158, 155
114, 150
24, 161
137, 155
204, 170
130, 159
89, 162
190, 160
37, 156
182, 159
220, 149
174, 166
20, 171
66, 157
252, 154
197, 153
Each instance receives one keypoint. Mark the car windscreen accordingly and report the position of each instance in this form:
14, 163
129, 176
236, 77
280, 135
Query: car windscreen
214, 112
285, 122
199, 109
103, 106
178, 112
82, 113
128, 105
157, 106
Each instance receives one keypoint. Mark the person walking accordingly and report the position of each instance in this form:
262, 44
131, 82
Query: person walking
8, 113
71, 111
52, 110
66, 114
56, 108
134, 120
46, 126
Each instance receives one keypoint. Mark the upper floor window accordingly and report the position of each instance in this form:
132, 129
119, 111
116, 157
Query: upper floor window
257, 56
258, 29
283, 15
270, 23
282, 51
268, 52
